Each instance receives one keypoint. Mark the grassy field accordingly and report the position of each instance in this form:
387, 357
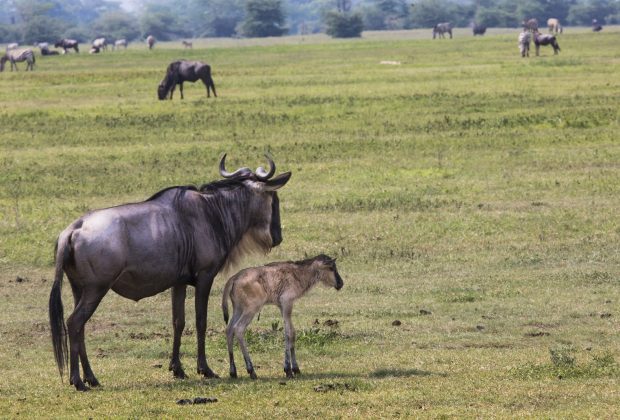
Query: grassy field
468, 193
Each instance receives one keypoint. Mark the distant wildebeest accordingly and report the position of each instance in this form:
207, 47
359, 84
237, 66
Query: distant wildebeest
442, 28
595, 26
120, 43
101, 44
66, 44
187, 44
525, 38
150, 41
530, 25
277, 284
478, 29
47, 51
12, 46
185, 71
180, 236
554, 26
94, 50
545, 39
17, 56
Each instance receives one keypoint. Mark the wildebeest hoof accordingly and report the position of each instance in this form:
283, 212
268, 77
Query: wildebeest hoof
296, 371
233, 374
289, 373
92, 381
253, 374
79, 385
208, 373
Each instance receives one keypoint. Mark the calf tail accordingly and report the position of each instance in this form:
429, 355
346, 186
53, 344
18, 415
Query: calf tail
56, 313
225, 296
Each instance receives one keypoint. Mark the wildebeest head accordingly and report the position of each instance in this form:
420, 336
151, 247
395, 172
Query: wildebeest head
328, 264
263, 204
169, 81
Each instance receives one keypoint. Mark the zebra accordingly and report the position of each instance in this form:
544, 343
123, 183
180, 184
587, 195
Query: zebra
15, 56
525, 38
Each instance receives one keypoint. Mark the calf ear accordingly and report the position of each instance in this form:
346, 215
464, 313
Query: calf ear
277, 182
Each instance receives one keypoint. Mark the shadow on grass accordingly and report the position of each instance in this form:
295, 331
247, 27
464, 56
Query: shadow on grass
403, 373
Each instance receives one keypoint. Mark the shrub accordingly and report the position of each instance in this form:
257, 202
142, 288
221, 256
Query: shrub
344, 25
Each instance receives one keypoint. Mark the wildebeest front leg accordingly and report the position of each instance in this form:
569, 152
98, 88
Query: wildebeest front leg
178, 324
203, 288
290, 362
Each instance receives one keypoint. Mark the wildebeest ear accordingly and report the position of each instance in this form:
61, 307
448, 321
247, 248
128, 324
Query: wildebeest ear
277, 182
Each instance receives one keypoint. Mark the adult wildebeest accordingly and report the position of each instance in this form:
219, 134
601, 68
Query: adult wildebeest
187, 44
525, 38
530, 25
185, 71
478, 29
17, 56
120, 43
180, 236
101, 44
47, 51
66, 44
277, 284
150, 41
554, 26
545, 39
441, 28
595, 26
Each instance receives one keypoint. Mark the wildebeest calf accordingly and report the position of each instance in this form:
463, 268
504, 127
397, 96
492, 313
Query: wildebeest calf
277, 284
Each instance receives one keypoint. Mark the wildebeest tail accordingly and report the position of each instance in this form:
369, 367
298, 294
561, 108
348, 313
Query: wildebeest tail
56, 313
225, 296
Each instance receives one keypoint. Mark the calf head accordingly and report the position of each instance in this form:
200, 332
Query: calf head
327, 265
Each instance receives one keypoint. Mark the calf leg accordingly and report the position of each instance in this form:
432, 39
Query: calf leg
239, 329
178, 325
290, 362
230, 335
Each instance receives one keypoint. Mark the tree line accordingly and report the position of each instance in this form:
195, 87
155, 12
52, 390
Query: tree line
29, 21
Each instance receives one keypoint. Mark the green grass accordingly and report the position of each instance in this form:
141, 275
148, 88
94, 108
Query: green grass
468, 193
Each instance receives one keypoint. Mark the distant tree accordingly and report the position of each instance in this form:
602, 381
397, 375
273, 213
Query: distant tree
116, 25
386, 14
161, 22
584, 11
427, 13
263, 18
344, 25
218, 18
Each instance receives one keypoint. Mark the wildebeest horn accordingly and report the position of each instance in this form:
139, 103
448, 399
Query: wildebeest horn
262, 174
238, 172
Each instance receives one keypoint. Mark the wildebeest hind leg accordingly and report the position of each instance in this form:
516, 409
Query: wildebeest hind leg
178, 324
86, 306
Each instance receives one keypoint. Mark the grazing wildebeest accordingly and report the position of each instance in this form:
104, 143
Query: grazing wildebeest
545, 39
47, 51
150, 41
441, 28
187, 44
595, 26
277, 284
525, 38
530, 25
101, 44
66, 44
185, 71
554, 26
479, 29
17, 56
180, 236
120, 43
